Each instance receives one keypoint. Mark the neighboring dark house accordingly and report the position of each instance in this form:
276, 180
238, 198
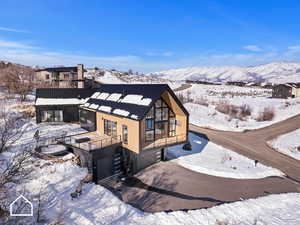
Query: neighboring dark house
130, 126
62, 77
60, 104
288, 90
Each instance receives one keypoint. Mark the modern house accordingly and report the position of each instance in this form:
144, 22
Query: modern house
130, 126
62, 77
60, 104
288, 90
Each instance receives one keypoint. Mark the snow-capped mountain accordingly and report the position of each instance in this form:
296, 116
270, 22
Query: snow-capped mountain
276, 72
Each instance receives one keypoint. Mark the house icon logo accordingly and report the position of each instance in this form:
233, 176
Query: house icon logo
23, 203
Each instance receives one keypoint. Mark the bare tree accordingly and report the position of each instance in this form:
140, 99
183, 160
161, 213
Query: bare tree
18, 80
13, 171
10, 127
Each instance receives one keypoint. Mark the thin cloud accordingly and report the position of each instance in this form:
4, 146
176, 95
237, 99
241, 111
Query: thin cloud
253, 48
154, 53
31, 55
295, 48
13, 44
13, 30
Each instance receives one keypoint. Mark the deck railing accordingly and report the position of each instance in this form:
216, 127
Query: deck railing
91, 144
166, 141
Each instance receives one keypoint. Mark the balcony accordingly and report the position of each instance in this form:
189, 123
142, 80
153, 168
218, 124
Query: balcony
90, 141
165, 142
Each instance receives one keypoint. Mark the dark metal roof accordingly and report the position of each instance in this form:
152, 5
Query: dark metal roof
63, 93
290, 85
59, 69
153, 91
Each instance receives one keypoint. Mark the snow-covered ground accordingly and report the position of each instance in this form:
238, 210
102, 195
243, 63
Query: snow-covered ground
209, 158
118, 77
288, 144
97, 205
256, 98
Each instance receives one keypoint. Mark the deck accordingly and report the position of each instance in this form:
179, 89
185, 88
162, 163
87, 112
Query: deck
93, 140
90, 141
163, 142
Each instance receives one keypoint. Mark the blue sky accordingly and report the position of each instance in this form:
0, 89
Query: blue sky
151, 35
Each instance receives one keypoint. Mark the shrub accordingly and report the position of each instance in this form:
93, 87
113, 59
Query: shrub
266, 115
238, 112
223, 107
202, 101
298, 148
245, 110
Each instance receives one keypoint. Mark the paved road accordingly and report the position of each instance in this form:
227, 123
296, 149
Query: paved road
253, 144
168, 186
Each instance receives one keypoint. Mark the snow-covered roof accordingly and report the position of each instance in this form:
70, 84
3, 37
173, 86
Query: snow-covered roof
121, 112
94, 106
132, 101
95, 95
105, 108
133, 116
103, 96
114, 97
59, 101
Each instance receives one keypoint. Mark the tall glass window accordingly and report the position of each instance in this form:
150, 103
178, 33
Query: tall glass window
52, 116
160, 122
125, 134
110, 128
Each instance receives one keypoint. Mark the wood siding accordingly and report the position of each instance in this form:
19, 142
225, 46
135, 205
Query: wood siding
133, 129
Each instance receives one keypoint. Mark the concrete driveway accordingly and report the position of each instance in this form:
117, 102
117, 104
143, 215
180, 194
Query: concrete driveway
167, 186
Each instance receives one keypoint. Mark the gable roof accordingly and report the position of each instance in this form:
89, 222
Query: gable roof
134, 100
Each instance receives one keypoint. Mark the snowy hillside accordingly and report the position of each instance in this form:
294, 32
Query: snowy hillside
276, 72
119, 77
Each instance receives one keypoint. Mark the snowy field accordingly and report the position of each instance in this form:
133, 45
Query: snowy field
209, 158
117, 77
97, 205
288, 144
257, 99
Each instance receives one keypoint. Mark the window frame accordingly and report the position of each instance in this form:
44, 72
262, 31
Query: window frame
125, 134
160, 113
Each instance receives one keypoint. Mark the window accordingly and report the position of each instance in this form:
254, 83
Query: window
150, 135
172, 124
47, 77
125, 134
150, 114
160, 122
149, 124
52, 116
161, 111
110, 128
172, 127
161, 130
66, 76
87, 120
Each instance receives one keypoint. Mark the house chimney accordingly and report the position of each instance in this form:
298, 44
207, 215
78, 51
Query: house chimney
80, 76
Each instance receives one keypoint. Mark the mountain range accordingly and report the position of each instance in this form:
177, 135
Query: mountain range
275, 72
